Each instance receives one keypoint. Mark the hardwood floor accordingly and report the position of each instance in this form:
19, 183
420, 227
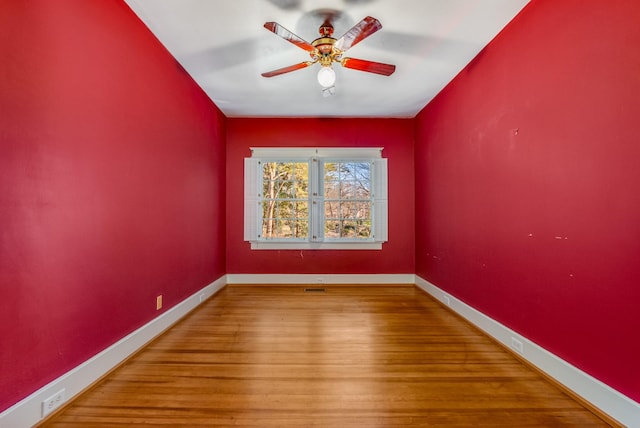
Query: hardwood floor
353, 356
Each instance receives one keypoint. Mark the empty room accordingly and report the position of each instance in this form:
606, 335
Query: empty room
346, 213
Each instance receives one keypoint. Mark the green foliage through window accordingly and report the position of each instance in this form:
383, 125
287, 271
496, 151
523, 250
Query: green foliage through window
347, 200
285, 203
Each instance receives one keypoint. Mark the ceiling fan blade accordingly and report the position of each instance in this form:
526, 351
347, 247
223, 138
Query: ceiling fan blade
368, 66
358, 33
288, 69
279, 30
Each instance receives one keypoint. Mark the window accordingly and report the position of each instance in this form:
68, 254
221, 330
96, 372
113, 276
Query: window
303, 198
285, 200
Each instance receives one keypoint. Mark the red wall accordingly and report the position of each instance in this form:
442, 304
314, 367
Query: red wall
113, 175
112, 184
395, 135
527, 185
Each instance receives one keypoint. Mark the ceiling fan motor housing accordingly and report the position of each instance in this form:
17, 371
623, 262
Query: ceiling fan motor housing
325, 51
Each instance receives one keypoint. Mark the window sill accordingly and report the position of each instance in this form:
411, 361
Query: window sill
260, 245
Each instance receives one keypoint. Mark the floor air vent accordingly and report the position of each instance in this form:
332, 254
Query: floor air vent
314, 290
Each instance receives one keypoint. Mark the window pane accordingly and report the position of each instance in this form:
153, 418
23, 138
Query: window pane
348, 229
347, 190
363, 229
348, 204
281, 230
331, 180
353, 210
285, 200
332, 169
332, 229
302, 209
268, 228
361, 210
347, 171
331, 189
363, 171
331, 210
301, 228
301, 189
285, 179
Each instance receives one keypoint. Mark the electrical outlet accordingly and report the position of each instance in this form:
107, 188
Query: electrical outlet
319, 280
53, 402
159, 302
517, 345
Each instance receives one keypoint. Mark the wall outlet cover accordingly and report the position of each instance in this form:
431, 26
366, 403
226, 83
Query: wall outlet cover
53, 402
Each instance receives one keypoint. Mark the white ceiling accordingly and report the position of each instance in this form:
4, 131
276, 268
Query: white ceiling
224, 47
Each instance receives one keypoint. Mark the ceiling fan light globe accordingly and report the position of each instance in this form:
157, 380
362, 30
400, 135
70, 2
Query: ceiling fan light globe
326, 77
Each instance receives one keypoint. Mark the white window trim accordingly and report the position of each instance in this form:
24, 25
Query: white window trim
252, 189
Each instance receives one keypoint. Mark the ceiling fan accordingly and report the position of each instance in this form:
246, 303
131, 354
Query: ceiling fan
326, 50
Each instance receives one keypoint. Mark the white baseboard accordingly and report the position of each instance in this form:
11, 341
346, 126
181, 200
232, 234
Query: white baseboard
620, 407
321, 278
28, 412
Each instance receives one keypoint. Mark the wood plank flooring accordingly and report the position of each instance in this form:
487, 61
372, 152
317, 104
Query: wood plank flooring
352, 356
